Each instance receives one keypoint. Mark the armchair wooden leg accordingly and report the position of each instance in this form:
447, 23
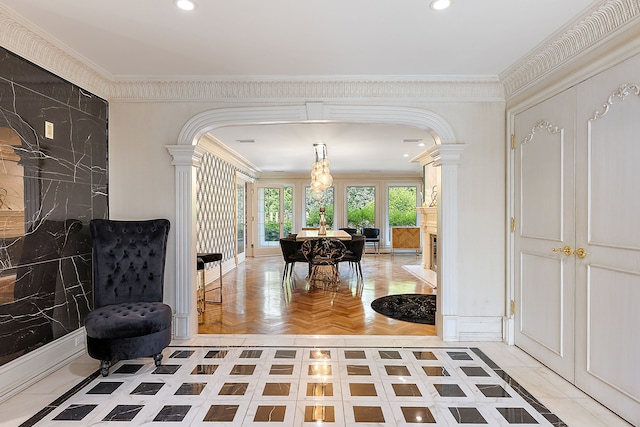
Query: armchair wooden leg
104, 367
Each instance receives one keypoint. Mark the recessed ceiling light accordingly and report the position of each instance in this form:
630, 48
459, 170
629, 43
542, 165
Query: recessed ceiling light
405, 155
440, 4
186, 4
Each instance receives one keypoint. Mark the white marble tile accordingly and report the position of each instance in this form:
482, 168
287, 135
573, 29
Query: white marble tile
563, 399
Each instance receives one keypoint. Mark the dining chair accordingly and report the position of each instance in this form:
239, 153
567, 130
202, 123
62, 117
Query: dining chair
291, 254
372, 235
323, 254
353, 255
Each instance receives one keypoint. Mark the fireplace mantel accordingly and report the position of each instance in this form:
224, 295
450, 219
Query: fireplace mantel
429, 229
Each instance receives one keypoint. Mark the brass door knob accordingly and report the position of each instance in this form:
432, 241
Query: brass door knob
581, 253
568, 250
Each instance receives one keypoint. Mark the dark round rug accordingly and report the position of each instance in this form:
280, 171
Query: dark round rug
416, 308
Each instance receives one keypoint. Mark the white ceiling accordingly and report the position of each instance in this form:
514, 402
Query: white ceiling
302, 39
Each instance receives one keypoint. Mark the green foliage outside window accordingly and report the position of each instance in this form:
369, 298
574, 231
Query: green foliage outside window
272, 210
361, 207
313, 208
402, 206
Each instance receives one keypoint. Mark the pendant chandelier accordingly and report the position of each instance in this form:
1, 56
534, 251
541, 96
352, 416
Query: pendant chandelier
321, 178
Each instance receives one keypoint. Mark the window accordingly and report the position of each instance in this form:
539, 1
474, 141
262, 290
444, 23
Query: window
312, 208
361, 207
402, 206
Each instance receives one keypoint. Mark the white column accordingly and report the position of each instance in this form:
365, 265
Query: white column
447, 157
186, 159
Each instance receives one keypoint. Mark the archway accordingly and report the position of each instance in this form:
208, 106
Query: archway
186, 154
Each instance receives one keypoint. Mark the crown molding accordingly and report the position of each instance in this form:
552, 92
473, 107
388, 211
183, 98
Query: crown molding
266, 90
23, 41
597, 25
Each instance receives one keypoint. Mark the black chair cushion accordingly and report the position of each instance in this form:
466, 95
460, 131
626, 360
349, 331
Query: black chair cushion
128, 320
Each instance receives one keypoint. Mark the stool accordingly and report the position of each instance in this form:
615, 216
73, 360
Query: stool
205, 258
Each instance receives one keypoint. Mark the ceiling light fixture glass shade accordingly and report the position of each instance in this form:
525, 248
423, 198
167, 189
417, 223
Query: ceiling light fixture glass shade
321, 178
185, 4
440, 4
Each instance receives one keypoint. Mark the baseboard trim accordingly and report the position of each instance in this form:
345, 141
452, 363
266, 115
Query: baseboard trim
472, 328
23, 372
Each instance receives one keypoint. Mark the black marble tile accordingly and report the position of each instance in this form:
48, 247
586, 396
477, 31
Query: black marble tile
172, 413
358, 370
320, 354
74, 412
251, 354
407, 390
270, 413
233, 389
128, 368
63, 177
517, 416
435, 371
485, 358
123, 413
181, 354
417, 415
320, 370
276, 389
459, 355
221, 413
105, 387
320, 389
362, 389
216, 354
319, 414
281, 370
354, 354
166, 369
389, 354
474, 371
204, 370
449, 390
147, 389
190, 389
285, 354
466, 415
397, 370
243, 370
492, 390
368, 414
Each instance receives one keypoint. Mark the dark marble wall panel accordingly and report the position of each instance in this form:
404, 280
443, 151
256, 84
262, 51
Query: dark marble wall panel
50, 188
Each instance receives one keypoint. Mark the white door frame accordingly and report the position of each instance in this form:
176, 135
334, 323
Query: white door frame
186, 159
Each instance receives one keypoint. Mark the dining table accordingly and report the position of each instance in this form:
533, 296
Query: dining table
315, 234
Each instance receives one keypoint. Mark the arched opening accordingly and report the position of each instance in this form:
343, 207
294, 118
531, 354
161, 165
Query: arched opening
187, 155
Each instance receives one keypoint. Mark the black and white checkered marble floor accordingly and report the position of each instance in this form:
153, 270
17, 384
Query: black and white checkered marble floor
302, 386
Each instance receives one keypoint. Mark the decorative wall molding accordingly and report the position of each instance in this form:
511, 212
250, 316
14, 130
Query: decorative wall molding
540, 125
598, 24
623, 91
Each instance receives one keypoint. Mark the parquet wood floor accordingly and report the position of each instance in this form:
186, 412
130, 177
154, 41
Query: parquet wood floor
256, 302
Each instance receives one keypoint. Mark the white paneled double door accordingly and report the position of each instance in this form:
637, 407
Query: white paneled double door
577, 237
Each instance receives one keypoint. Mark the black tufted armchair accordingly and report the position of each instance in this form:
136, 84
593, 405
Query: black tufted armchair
129, 319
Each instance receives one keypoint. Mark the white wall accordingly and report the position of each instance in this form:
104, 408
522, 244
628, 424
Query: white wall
142, 184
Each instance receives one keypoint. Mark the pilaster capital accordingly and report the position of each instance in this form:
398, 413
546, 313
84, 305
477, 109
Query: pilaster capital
447, 154
185, 155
